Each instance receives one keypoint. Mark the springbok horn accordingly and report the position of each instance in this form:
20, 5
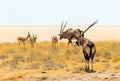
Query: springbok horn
91, 25
36, 36
61, 27
64, 26
28, 33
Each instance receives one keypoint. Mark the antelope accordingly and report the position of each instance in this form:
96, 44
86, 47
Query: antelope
69, 33
54, 41
88, 49
33, 40
23, 39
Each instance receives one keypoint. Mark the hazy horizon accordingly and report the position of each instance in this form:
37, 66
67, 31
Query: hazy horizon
96, 33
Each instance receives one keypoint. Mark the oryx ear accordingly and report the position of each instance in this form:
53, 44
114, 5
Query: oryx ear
82, 33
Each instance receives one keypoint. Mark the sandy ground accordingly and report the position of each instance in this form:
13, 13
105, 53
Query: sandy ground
80, 77
38, 75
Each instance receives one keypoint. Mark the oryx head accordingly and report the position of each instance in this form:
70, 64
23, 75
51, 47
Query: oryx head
62, 30
78, 42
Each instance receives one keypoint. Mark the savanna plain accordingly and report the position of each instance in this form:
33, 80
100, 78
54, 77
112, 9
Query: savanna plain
45, 62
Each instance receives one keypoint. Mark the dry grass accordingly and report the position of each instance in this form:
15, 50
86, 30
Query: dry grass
44, 58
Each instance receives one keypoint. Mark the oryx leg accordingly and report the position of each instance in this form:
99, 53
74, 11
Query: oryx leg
91, 65
85, 65
69, 41
86, 61
92, 62
88, 66
86, 56
92, 57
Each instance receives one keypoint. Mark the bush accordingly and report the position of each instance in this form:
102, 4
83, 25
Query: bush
116, 58
3, 56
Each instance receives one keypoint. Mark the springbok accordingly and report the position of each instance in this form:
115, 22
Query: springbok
69, 33
88, 49
33, 40
23, 39
54, 41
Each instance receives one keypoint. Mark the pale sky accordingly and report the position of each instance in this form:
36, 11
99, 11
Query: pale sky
52, 12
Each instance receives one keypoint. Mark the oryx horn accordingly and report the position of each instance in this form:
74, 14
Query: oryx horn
64, 26
61, 27
91, 25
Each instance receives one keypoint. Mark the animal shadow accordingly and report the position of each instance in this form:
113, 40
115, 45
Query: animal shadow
90, 71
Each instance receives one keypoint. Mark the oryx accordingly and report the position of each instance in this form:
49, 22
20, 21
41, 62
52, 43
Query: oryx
88, 48
69, 33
